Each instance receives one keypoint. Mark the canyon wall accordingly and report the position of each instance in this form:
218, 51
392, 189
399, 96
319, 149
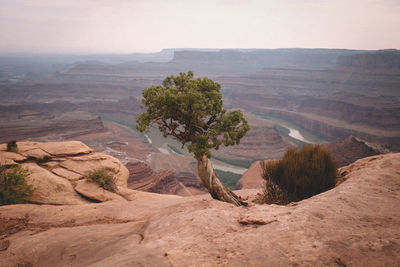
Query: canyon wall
143, 178
387, 60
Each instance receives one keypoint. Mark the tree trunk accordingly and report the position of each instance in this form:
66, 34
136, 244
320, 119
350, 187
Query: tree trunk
214, 185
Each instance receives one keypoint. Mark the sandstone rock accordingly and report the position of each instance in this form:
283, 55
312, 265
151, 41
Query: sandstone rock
132, 195
7, 162
252, 178
262, 137
68, 148
94, 192
185, 169
11, 155
50, 188
84, 164
350, 149
72, 176
35, 153
31, 149
55, 149
50, 164
354, 224
9, 158
143, 178
4, 244
55, 179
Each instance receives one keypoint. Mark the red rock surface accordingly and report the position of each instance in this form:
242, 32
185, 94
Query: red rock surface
142, 177
262, 141
66, 129
354, 224
349, 150
252, 178
60, 180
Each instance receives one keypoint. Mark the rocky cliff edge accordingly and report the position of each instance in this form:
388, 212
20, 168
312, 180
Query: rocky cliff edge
354, 224
58, 170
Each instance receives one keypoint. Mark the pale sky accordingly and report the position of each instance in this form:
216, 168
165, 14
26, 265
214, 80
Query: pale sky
126, 26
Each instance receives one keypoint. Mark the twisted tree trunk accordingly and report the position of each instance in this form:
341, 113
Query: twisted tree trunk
213, 184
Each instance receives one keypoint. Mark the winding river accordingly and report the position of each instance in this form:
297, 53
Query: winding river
155, 138
220, 165
297, 135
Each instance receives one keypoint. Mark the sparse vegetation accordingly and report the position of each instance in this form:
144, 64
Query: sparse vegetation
13, 186
104, 178
190, 110
300, 174
12, 146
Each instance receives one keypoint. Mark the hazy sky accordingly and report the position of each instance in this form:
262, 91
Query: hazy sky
124, 26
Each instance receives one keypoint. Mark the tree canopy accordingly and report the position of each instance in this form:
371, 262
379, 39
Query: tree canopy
191, 111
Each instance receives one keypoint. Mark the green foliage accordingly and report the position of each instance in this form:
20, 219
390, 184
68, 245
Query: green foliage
228, 179
191, 111
12, 146
13, 186
103, 178
300, 174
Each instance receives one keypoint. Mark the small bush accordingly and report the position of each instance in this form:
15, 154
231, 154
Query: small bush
300, 174
12, 146
103, 178
13, 186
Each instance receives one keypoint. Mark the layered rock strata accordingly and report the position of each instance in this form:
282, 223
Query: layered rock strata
58, 171
350, 149
142, 177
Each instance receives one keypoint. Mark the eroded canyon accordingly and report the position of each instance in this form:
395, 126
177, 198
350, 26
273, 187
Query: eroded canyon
325, 95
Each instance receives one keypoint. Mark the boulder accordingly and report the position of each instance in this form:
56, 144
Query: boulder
9, 158
31, 149
50, 188
36, 153
94, 192
68, 163
72, 176
132, 195
68, 148
84, 164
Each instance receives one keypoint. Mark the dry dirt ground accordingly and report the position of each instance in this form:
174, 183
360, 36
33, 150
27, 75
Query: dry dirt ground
354, 224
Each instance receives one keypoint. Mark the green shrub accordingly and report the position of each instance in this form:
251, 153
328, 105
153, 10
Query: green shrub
12, 146
13, 186
300, 174
103, 178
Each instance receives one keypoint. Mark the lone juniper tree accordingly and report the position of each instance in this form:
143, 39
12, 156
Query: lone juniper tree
190, 110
